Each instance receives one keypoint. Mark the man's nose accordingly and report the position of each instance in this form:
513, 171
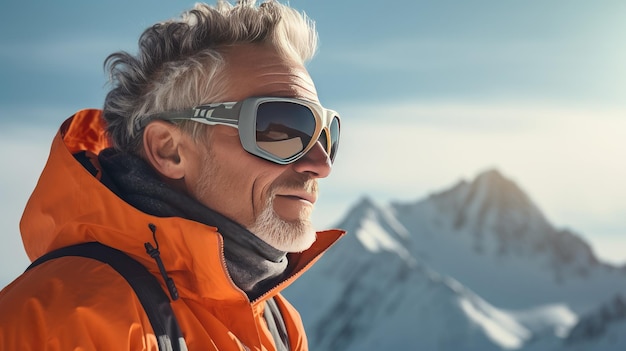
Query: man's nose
316, 162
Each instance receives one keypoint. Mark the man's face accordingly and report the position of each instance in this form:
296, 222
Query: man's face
273, 201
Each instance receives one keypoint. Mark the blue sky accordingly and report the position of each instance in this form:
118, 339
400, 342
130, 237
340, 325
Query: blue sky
430, 92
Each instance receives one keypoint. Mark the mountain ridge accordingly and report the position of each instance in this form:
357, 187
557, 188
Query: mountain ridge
503, 227
479, 255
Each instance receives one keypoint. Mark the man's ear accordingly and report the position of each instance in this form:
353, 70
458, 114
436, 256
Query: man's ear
161, 144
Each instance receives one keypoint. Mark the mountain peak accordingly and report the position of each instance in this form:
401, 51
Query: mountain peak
490, 198
360, 209
496, 190
492, 174
365, 202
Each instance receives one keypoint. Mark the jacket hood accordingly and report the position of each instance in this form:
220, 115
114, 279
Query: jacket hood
70, 205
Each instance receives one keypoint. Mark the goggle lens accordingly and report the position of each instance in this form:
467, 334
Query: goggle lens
334, 132
285, 129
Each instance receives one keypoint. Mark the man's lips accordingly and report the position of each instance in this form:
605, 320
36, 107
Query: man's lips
308, 197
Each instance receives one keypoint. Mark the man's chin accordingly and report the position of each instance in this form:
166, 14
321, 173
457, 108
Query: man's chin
302, 243
294, 236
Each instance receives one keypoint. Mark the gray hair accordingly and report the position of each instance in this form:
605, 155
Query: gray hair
179, 64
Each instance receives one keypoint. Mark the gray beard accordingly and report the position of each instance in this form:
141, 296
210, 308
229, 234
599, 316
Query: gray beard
287, 236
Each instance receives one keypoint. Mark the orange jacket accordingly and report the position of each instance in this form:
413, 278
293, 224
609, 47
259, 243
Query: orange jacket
74, 303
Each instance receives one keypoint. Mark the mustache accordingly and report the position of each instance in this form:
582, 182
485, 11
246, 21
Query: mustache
300, 182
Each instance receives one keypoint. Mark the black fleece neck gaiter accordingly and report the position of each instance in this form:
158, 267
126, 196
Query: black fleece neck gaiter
253, 265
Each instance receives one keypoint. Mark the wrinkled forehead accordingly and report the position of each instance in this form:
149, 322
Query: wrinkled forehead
259, 70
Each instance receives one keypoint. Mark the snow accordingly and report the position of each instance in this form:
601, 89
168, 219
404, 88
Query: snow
500, 335
477, 267
558, 318
375, 239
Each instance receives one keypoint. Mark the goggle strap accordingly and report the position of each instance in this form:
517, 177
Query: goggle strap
223, 110
221, 113
166, 116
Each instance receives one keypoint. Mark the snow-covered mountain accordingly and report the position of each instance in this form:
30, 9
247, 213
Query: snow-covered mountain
475, 267
491, 237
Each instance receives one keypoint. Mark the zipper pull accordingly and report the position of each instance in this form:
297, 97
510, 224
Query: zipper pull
154, 253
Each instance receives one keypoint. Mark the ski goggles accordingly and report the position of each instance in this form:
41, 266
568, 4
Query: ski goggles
280, 130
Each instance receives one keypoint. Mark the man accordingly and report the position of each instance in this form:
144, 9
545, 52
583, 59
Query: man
207, 152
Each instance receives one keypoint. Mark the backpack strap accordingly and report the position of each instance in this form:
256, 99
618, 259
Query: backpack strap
146, 286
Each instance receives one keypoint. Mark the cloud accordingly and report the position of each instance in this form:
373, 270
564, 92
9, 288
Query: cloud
66, 54
419, 55
574, 68
569, 160
33, 119
480, 116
